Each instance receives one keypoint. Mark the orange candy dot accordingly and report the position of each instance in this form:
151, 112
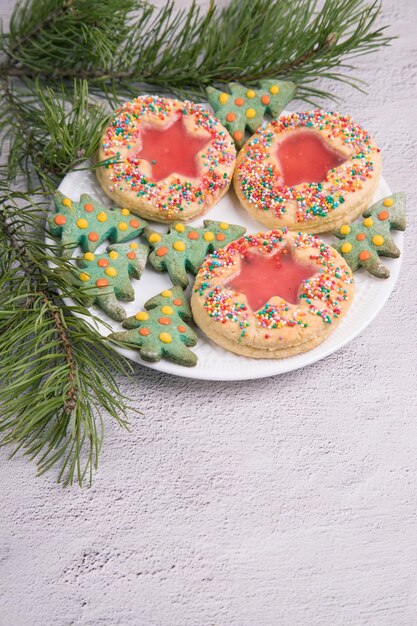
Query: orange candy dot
239, 102
131, 255
60, 220
144, 332
238, 135
360, 237
93, 236
177, 302
165, 321
103, 262
89, 208
193, 234
162, 251
220, 236
383, 215
134, 223
231, 117
181, 329
102, 282
265, 99
364, 255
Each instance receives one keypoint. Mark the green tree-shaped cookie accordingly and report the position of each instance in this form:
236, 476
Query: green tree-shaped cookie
183, 248
365, 241
106, 277
161, 329
245, 107
88, 223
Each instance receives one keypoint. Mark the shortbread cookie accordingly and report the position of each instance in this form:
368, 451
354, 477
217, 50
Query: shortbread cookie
88, 223
245, 107
365, 241
272, 295
106, 277
166, 160
183, 248
161, 331
310, 171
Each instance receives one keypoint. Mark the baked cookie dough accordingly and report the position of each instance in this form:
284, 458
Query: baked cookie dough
310, 171
165, 159
272, 295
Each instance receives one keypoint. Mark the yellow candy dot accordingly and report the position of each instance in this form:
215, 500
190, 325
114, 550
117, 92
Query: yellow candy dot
89, 256
133, 245
167, 310
346, 247
82, 223
142, 316
166, 293
84, 277
344, 230
388, 202
224, 225
154, 238
368, 221
274, 90
179, 246
122, 226
250, 113
223, 98
111, 271
378, 240
113, 254
125, 212
209, 236
179, 228
165, 337
250, 93
67, 202
102, 217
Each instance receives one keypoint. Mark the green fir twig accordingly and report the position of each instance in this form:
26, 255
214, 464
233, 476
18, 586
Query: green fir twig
56, 372
64, 65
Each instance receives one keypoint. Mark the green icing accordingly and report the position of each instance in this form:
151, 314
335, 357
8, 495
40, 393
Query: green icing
144, 335
115, 225
129, 263
396, 220
277, 102
196, 246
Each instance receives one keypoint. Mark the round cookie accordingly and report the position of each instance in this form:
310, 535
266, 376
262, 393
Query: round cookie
272, 295
165, 159
310, 171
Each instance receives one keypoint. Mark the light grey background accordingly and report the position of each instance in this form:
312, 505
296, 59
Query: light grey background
285, 501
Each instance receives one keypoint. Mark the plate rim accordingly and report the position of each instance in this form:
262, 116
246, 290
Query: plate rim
310, 357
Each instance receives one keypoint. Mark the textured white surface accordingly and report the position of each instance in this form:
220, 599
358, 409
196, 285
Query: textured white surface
288, 500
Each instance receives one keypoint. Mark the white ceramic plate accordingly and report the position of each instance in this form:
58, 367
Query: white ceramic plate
214, 363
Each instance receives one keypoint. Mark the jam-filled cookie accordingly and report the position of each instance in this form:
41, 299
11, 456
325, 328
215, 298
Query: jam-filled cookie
310, 171
272, 295
165, 159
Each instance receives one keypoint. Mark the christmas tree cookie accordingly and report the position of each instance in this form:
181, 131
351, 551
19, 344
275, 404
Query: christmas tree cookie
183, 248
106, 277
88, 223
245, 107
365, 241
161, 331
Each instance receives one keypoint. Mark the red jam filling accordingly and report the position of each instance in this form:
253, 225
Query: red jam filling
171, 150
264, 276
305, 157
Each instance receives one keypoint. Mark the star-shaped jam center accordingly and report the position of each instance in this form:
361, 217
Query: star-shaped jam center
305, 157
263, 276
171, 150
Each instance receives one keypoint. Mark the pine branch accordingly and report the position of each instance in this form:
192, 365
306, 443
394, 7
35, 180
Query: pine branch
57, 380
123, 44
